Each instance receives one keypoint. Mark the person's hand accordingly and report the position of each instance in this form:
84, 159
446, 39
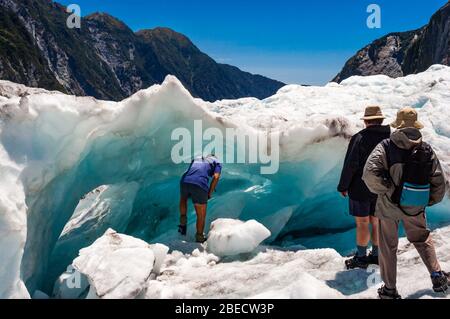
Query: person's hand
344, 194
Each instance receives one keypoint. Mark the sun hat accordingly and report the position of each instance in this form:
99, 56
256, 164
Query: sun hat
373, 113
407, 118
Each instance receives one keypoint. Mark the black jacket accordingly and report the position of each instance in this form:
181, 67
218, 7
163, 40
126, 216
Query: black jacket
359, 150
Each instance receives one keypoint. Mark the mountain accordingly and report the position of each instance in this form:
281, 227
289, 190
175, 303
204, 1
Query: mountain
106, 59
404, 53
200, 73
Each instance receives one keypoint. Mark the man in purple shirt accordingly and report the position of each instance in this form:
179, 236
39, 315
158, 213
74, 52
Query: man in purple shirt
195, 185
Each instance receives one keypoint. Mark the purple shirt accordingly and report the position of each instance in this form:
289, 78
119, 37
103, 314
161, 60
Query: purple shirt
201, 170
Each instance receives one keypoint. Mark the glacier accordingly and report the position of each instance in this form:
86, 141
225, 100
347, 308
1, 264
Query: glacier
266, 273
73, 167
230, 237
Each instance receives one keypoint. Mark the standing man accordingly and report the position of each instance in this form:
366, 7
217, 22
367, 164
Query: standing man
406, 175
195, 185
361, 201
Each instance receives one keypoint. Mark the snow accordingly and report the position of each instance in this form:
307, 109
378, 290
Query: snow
272, 273
160, 251
13, 229
55, 149
117, 266
304, 286
229, 237
267, 273
304, 274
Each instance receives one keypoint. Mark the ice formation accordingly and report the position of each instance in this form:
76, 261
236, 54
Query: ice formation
271, 273
56, 150
229, 237
105, 207
118, 266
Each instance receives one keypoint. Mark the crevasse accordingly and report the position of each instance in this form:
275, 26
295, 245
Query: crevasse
70, 167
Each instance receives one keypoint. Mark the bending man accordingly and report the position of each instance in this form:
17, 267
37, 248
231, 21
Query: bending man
195, 185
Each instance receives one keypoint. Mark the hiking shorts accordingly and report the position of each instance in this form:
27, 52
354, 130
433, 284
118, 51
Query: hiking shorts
196, 193
362, 208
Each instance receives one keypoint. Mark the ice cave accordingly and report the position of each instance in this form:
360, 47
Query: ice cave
73, 167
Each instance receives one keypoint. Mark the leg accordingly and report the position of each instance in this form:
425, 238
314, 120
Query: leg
388, 233
375, 225
360, 210
183, 210
418, 234
182, 228
200, 209
184, 195
375, 222
362, 233
200, 199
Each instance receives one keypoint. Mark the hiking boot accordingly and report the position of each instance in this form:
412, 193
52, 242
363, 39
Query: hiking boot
372, 259
386, 293
440, 281
182, 229
200, 238
357, 262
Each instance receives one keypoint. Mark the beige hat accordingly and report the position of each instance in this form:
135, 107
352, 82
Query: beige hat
407, 117
373, 113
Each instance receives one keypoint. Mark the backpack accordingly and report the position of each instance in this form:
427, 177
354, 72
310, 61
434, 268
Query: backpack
414, 189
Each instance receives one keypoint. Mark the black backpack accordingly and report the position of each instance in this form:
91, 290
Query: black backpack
414, 189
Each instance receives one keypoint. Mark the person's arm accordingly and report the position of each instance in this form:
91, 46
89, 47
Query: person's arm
214, 182
351, 163
376, 170
438, 183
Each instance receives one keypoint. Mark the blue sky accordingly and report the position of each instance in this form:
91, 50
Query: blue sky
294, 41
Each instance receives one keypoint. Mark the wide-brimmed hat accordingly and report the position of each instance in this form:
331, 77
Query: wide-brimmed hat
406, 118
373, 113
